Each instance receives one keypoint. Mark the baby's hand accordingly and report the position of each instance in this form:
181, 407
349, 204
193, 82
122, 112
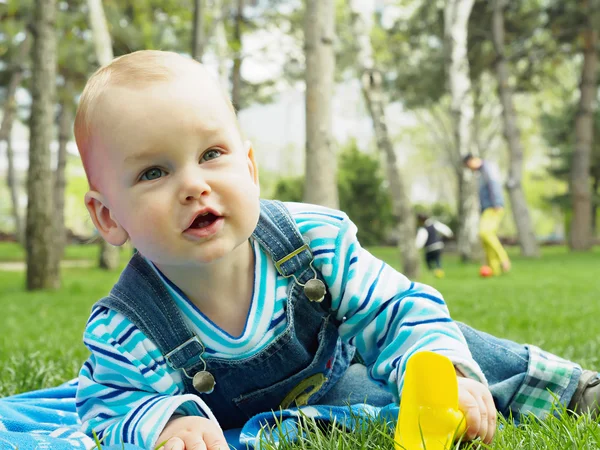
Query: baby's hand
475, 401
192, 433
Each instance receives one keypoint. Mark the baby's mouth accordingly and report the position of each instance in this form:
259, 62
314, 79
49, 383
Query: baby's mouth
203, 221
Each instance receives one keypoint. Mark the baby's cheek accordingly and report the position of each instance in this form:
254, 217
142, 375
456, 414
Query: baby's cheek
149, 226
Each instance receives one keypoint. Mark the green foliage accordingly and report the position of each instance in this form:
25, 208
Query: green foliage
558, 130
289, 189
362, 192
540, 35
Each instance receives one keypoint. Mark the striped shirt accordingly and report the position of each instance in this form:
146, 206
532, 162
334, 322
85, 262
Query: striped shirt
127, 392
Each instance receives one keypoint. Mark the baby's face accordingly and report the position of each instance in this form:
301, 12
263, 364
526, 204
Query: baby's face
175, 173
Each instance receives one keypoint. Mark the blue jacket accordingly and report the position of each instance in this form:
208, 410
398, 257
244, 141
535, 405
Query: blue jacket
490, 186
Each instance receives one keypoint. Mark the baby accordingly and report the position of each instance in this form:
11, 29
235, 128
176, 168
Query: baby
235, 305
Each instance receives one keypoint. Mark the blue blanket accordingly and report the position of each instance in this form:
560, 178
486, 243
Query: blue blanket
47, 419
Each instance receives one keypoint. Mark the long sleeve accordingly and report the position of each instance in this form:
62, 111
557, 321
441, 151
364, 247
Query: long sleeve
443, 229
386, 316
421, 238
126, 392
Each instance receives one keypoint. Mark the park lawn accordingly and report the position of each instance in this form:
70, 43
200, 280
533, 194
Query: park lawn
553, 302
14, 252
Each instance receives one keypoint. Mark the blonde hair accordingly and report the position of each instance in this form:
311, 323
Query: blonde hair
137, 69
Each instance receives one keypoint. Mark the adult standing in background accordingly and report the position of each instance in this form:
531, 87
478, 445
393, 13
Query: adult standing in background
491, 201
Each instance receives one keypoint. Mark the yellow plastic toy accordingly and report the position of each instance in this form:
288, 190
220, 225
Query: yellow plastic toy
429, 417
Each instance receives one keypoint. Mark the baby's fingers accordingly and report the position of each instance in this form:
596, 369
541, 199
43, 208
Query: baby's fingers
174, 443
214, 439
469, 405
492, 416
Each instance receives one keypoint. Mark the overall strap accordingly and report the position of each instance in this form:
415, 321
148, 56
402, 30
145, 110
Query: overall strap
141, 297
279, 235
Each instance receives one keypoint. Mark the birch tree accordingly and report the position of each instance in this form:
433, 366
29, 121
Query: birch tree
321, 166
362, 23
39, 230
10, 111
512, 134
456, 18
580, 237
109, 255
236, 71
198, 31
220, 42
65, 130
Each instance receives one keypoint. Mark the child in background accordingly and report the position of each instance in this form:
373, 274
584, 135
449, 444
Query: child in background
430, 235
234, 305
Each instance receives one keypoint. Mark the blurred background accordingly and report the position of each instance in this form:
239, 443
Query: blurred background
363, 105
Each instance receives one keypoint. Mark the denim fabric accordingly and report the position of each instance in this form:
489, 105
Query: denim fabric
509, 368
354, 387
259, 383
523, 379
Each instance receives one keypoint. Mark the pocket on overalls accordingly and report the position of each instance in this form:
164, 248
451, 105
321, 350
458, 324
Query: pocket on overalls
311, 378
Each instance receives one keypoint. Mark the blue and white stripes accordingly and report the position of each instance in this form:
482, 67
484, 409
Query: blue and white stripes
127, 392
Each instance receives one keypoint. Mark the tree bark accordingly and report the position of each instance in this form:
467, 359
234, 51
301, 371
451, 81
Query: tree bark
580, 237
10, 111
198, 31
236, 71
321, 166
65, 125
512, 134
101, 35
221, 44
456, 18
39, 230
362, 24
109, 255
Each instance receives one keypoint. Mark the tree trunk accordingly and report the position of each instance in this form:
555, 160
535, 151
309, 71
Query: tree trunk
595, 191
101, 36
109, 255
512, 134
456, 18
580, 238
320, 185
65, 125
198, 31
10, 111
39, 230
221, 44
362, 23
236, 72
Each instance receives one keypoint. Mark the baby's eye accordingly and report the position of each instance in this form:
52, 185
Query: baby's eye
152, 174
211, 154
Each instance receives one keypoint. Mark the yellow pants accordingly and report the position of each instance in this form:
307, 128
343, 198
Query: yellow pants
488, 229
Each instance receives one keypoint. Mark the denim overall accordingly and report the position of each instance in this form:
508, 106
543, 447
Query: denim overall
306, 364
310, 357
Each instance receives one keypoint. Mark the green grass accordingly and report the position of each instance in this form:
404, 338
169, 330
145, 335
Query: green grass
553, 302
12, 252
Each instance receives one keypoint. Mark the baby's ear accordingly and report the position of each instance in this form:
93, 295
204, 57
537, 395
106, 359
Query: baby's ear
252, 166
105, 223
